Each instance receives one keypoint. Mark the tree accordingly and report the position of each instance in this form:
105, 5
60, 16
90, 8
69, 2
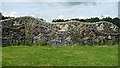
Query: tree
107, 19
67, 20
82, 20
96, 19
76, 19
29, 29
0, 15
58, 20
116, 21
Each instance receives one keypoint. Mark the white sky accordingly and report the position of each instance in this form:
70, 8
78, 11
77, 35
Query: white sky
51, 9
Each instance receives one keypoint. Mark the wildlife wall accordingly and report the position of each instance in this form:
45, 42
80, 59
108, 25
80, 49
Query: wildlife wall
28, 30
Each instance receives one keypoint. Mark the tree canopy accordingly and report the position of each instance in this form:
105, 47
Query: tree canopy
115, 20
6, 17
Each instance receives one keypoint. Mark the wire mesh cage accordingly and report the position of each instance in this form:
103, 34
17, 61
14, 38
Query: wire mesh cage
28, 30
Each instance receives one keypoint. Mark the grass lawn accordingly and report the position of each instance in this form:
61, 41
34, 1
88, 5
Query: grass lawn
60, 56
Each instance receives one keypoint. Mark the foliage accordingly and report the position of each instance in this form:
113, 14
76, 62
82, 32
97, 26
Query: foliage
43, 43
58, 20
6, 17
115, 20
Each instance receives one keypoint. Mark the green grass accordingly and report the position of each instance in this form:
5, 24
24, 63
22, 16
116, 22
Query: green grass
60, 56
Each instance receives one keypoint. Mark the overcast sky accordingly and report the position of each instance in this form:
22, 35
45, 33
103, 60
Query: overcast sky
49, 10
